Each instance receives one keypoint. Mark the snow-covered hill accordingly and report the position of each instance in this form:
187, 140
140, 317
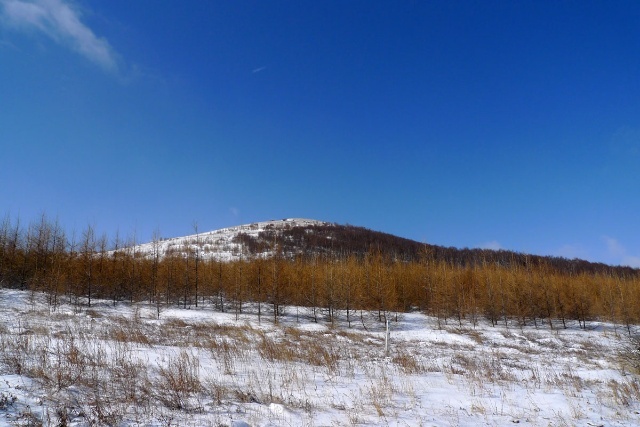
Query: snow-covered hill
224, 244
294, 236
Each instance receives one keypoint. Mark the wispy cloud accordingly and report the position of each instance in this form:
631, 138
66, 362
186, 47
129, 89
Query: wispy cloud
631, 261
494, 245
60, 21
613, 246
257, 70
8, 45
620, 253
571, 252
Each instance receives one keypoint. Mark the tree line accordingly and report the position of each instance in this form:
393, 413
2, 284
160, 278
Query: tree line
340, 283
347, 239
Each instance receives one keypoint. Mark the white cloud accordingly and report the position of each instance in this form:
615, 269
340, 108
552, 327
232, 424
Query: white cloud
7, 44
61, 22
571, 252
614, 247
631, 261
493, 245
616, 250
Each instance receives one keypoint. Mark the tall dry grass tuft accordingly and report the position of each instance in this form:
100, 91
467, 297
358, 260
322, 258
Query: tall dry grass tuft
625, 392
408, 363
179, 381
629, 356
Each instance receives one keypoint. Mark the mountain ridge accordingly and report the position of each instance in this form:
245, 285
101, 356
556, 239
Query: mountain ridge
291, 237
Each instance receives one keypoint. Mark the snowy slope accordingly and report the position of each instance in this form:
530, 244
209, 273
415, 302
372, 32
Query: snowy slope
222, 244
123, 366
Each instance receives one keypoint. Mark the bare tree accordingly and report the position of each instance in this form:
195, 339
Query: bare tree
87, 256
197, 260
154, 270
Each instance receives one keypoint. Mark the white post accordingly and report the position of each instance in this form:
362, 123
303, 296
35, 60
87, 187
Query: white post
386, 340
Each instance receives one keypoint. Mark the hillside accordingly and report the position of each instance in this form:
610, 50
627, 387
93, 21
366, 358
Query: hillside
307, 237
229, 244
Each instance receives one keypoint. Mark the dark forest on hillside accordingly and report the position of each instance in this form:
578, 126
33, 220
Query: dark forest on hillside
347, 240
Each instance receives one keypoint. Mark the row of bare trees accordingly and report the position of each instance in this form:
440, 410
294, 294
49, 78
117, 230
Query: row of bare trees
41, 257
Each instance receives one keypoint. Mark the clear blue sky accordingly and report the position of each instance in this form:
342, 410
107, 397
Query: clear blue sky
510, 124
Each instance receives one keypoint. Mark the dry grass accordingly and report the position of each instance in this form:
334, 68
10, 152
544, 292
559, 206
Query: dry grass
179, 381
629, 356
313, 349
408, 363
96, 369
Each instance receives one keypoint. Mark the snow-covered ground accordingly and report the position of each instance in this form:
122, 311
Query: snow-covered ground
123, 366
219, 244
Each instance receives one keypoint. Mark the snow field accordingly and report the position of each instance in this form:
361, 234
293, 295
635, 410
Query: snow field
106, 365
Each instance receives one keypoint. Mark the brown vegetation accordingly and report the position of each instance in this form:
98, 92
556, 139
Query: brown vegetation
341, 280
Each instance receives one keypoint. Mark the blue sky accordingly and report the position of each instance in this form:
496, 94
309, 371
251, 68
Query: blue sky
498, 124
